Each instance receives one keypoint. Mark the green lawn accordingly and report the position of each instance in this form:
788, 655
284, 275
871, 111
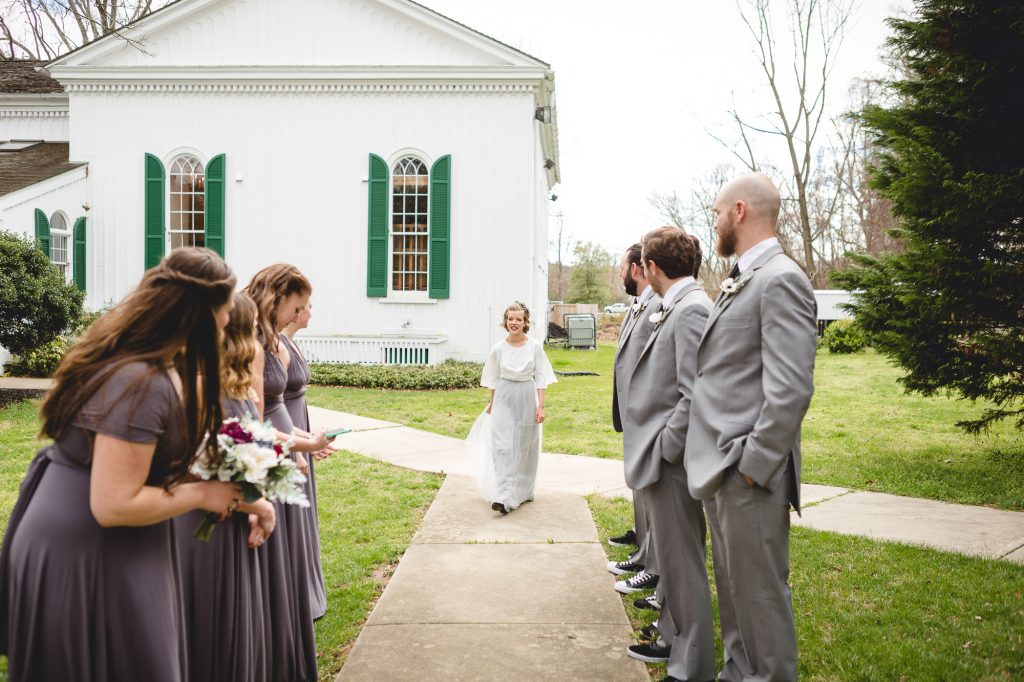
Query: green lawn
362, 535
870, 610
862, 431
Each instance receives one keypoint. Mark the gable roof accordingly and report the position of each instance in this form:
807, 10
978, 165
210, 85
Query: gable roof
20, 77
19, 169
142, 30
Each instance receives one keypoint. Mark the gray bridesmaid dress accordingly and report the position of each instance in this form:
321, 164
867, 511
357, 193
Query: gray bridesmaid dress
83, 602
295, 403
222, 592
290, 636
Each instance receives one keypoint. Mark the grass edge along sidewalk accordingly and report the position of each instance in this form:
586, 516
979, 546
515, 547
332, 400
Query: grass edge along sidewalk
369, 511
862, 431
870, 610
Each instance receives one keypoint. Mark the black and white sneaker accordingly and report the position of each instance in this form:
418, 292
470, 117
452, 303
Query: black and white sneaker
648, 603
625, 540
641, 581
623, 567
650, 631
650, 653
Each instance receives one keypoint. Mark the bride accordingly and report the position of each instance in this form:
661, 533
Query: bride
507, 435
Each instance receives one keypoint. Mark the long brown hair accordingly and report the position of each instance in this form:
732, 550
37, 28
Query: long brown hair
168, 319
268, 288
236, 373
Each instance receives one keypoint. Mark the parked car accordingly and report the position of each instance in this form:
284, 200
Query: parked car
616, 308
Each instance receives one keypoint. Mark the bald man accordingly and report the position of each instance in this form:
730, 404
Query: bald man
755, 368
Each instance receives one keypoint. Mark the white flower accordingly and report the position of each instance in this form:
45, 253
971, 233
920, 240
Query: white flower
656, 318
731, 287
256, 461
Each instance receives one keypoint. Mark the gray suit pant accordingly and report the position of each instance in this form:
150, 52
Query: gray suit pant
750, 547
680, 535
645, 554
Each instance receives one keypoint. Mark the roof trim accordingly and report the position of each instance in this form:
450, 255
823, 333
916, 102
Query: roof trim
178, 9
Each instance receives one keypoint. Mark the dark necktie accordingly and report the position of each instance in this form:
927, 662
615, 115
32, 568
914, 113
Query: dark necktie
735, 272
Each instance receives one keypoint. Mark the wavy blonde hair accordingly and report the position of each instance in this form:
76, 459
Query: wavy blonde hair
236, 372
269, 287
520, 306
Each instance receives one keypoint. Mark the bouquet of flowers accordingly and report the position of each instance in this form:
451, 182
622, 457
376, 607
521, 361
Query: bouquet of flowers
252, 457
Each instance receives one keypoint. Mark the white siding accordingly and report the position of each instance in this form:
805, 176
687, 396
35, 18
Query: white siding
256, 32
302, 160
28, 125
66, 192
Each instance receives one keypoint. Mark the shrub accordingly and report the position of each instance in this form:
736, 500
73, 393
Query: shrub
36, 304
41, 361
447, 376
845, 336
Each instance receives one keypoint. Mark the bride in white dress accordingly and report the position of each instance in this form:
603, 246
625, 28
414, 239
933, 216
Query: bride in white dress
507, 435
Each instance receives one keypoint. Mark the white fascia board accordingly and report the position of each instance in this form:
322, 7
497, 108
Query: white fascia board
57, 101
295, 74
20, 196
549, 131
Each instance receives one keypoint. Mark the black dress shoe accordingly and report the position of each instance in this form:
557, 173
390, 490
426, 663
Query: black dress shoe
650, 653
671, 679
499, 507
624, 540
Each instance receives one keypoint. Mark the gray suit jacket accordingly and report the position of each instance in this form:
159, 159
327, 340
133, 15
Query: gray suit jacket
636, 329
755, 378
658, 404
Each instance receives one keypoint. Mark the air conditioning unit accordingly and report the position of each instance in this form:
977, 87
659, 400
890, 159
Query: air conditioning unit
582, 330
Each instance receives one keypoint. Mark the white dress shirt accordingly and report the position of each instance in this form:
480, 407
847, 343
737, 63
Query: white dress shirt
754, 252
670, 296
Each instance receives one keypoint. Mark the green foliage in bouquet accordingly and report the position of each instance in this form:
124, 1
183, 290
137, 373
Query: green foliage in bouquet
845, 336
446, 376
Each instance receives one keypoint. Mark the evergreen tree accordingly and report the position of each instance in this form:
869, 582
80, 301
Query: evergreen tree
950, 310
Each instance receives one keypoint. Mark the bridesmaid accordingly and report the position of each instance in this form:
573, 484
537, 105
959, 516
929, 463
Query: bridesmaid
89, 578
280, 293
295, 403
221, 578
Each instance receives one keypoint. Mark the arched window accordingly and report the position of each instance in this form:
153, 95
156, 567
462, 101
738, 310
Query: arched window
410, 235
60, 239
188, 197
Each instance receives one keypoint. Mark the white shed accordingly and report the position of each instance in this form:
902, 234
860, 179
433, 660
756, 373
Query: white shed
402, 160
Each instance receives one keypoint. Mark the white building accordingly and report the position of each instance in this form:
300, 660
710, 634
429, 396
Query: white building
401, 160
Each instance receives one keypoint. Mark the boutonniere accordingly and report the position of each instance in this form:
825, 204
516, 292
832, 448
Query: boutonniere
639, 307
658, 318
731, 287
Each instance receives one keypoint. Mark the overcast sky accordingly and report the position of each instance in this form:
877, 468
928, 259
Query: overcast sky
639, 83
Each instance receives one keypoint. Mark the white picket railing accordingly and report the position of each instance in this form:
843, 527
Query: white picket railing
373, 350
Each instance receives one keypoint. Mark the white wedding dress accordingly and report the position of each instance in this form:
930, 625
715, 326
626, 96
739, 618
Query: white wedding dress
507, 441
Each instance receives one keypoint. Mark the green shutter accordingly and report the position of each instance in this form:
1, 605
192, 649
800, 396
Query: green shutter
214, 223
154, 211
43, 232
78, 257
377, 248
440, 227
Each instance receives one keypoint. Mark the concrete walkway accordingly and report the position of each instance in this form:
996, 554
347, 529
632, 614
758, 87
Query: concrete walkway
480, 596
976, 531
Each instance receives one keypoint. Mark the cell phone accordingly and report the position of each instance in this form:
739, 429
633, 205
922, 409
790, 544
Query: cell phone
337, 432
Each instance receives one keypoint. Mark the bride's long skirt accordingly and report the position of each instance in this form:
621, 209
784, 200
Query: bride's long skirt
507, 444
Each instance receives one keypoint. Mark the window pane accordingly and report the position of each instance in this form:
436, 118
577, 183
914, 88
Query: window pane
199, 202
198, 221
421, 282
396, 282
421, 262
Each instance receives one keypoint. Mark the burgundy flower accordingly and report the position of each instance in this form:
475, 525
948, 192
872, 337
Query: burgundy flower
278, 449
235, 431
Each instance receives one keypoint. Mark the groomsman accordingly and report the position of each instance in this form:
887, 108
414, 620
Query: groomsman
636, 328
656, 420
754, 382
